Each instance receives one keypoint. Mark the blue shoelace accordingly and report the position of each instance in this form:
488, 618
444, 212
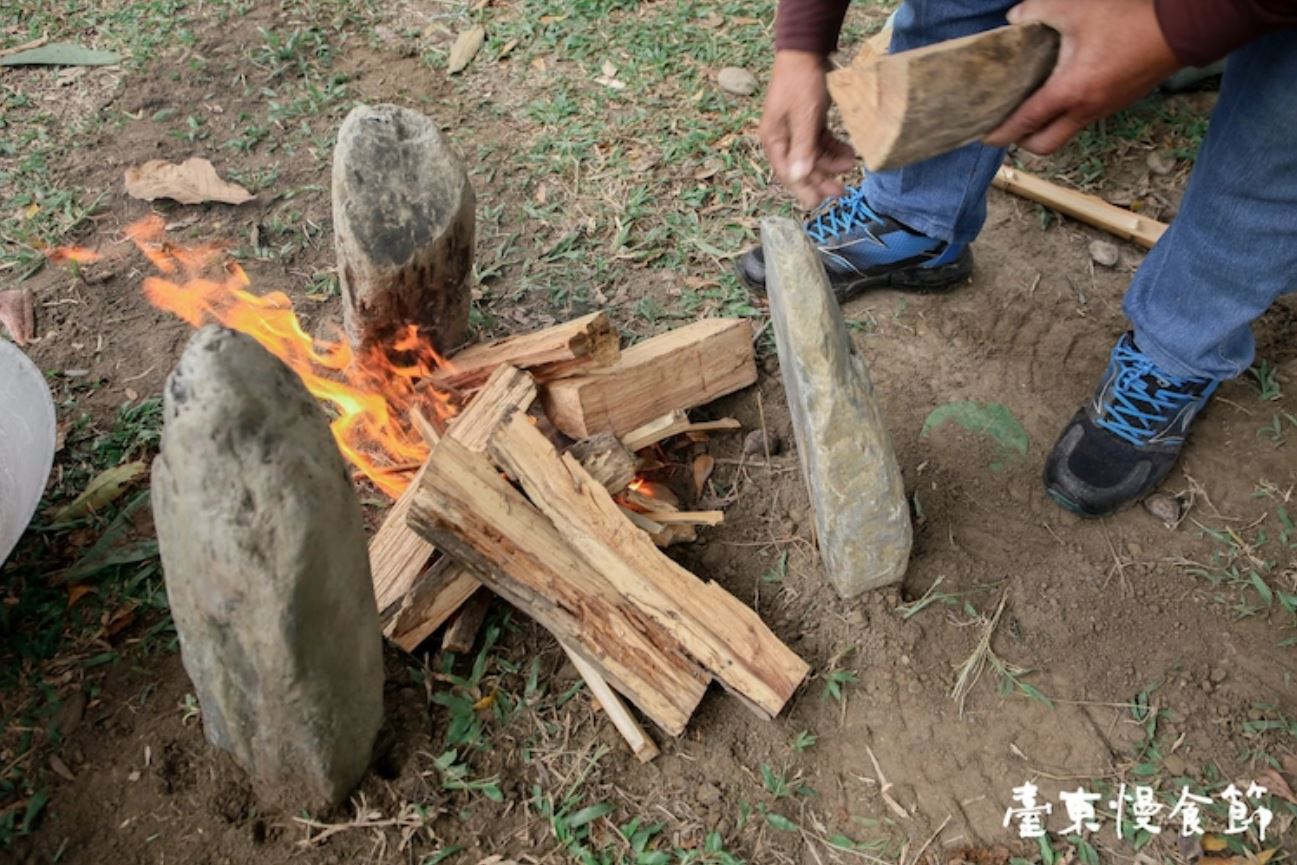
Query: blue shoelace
840, 215
1146, 399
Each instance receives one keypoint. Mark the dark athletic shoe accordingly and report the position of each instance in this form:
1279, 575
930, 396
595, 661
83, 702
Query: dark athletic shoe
862, 249
1122, 443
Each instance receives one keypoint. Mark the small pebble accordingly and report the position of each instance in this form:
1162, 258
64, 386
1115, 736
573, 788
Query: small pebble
738, 81
1166, 507
1218, 675
708, 793
1103, 253
1160, 162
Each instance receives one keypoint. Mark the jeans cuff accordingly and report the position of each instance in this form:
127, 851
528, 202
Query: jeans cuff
918, 220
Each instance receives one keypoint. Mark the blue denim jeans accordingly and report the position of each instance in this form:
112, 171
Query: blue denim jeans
1230, 251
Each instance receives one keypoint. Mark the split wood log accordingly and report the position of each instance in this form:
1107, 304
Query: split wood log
467, 509
580, 345
725, 637
607, 460
435, 595
411, 608
404, 223
396, 557
906, 107
691, 518
662, 535
641, 745
1089, 209
673, 424
680, 369
461, 632
652, 498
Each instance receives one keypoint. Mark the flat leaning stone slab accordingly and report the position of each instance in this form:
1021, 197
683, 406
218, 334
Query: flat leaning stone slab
862, 517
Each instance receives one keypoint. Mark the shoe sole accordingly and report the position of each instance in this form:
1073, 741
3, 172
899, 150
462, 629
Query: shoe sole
915, 280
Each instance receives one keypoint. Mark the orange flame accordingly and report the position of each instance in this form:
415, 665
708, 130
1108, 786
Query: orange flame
77, 254
371, 395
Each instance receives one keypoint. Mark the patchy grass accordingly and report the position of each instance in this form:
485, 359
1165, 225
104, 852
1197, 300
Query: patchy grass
57, 629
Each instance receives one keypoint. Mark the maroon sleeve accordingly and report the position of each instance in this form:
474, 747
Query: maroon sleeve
809, 25
1200, 32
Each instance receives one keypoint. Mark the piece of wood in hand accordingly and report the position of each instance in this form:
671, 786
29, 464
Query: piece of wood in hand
607, 460
906, 107
737, 647
680, 369
467, 509
461, 632
583, 344
1082, 207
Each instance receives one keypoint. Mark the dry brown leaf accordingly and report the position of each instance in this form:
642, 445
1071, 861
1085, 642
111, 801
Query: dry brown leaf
76, 592
466, 46
1289, 763
18, 314
1274, 782
118, 621
1258, 859
61, 769
703, 466
193, 181
1213, 843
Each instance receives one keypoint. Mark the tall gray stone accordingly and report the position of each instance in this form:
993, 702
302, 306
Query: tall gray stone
861, 513
403, 222
267, 572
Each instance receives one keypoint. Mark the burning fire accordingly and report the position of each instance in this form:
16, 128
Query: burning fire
74, 254
371, 395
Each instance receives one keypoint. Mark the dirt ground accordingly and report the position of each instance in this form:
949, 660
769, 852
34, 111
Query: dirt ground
1132, 653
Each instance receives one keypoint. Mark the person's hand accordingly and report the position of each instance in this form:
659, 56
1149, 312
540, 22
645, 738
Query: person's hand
1112, 53
805, 156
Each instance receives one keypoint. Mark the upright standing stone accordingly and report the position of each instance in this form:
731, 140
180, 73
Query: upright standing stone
403, 222
861, 513
267, 572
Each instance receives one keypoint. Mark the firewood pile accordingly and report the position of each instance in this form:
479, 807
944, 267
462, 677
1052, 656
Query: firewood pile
534, 492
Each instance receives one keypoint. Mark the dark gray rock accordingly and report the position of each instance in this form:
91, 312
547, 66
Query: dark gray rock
403, 222
267, 572
862, 518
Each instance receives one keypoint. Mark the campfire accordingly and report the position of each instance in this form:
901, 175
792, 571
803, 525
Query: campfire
553, 411
519, 467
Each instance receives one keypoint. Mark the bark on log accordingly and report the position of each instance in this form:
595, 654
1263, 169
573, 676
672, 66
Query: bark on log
910, 106
678, 370
607, 460
403, 218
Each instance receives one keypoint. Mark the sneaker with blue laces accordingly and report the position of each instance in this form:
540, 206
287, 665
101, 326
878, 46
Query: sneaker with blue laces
1125, 440
863, 249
